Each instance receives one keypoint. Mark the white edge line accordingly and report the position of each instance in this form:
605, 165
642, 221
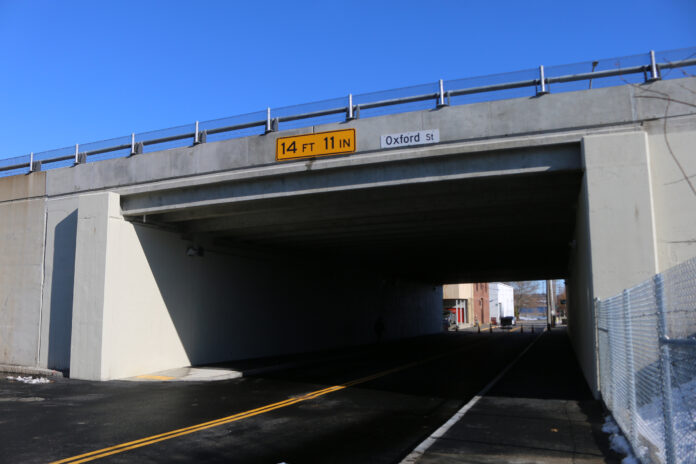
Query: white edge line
415, 455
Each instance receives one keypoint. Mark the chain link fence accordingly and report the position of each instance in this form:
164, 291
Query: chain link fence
647, 364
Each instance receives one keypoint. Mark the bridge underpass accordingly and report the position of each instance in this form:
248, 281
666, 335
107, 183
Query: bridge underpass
108, 279
495, 216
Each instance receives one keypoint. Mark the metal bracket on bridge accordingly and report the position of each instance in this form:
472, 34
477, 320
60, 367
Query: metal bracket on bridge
136, 148
198, 136
33, 165
80, 158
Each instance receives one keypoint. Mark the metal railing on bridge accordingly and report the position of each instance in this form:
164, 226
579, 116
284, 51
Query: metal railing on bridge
632, 69
647, 364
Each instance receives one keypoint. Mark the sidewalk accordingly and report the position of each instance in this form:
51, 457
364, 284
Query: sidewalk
541, 411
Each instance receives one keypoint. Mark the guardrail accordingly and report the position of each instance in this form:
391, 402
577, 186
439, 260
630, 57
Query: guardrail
615, 71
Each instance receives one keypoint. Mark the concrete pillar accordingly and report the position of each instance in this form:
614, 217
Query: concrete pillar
89, 291
621, 217
615, 242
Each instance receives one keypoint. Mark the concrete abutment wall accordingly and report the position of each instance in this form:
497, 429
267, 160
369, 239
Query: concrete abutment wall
615, 244
22, 226
142, 303
636, 217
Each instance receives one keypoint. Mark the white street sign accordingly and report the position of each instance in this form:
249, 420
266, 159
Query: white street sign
405, 139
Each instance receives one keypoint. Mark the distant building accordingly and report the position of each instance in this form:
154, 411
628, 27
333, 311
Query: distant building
458, 299
502, 301
481, 304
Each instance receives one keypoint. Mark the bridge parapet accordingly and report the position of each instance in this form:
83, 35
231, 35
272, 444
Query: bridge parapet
556, 118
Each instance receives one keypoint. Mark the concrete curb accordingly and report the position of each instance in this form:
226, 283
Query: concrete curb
200, 375
26, 370
252, 371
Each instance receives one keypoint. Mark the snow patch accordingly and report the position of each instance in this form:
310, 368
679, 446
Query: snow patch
618, 442
29, 379
610, 426
650, 419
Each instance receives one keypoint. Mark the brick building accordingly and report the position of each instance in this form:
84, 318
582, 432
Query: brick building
481, 303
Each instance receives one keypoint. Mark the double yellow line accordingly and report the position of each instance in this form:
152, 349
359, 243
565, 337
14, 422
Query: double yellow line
102, 453
194, 428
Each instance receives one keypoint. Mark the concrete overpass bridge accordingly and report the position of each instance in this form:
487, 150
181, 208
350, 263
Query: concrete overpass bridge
219, 251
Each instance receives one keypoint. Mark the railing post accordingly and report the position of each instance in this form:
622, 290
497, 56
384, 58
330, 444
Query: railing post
610, 359
195, 135
31, 162
136, 148
441, 95
271, 125
542, 82
665, 370
628, 333
79, 159
654, 72
349, 114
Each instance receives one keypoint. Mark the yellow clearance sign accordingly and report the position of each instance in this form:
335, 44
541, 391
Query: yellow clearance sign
320, 144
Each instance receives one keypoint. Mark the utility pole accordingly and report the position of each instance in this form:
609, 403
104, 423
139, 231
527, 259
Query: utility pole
550, 304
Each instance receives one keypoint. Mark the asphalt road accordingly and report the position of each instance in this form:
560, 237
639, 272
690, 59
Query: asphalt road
370, 405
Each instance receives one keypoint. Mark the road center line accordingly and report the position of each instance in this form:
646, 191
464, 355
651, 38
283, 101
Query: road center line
104, 452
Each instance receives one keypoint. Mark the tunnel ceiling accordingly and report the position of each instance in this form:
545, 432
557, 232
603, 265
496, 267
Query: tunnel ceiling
489, 228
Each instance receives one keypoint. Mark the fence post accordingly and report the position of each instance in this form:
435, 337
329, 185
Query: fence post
628, 328
665, 370
605, 381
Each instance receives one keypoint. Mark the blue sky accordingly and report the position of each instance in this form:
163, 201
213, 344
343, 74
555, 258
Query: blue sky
76, 72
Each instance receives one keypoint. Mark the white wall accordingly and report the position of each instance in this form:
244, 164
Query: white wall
615, 241
21, 267
59, 276
161, 308
672, 160
580, 296
502, 302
